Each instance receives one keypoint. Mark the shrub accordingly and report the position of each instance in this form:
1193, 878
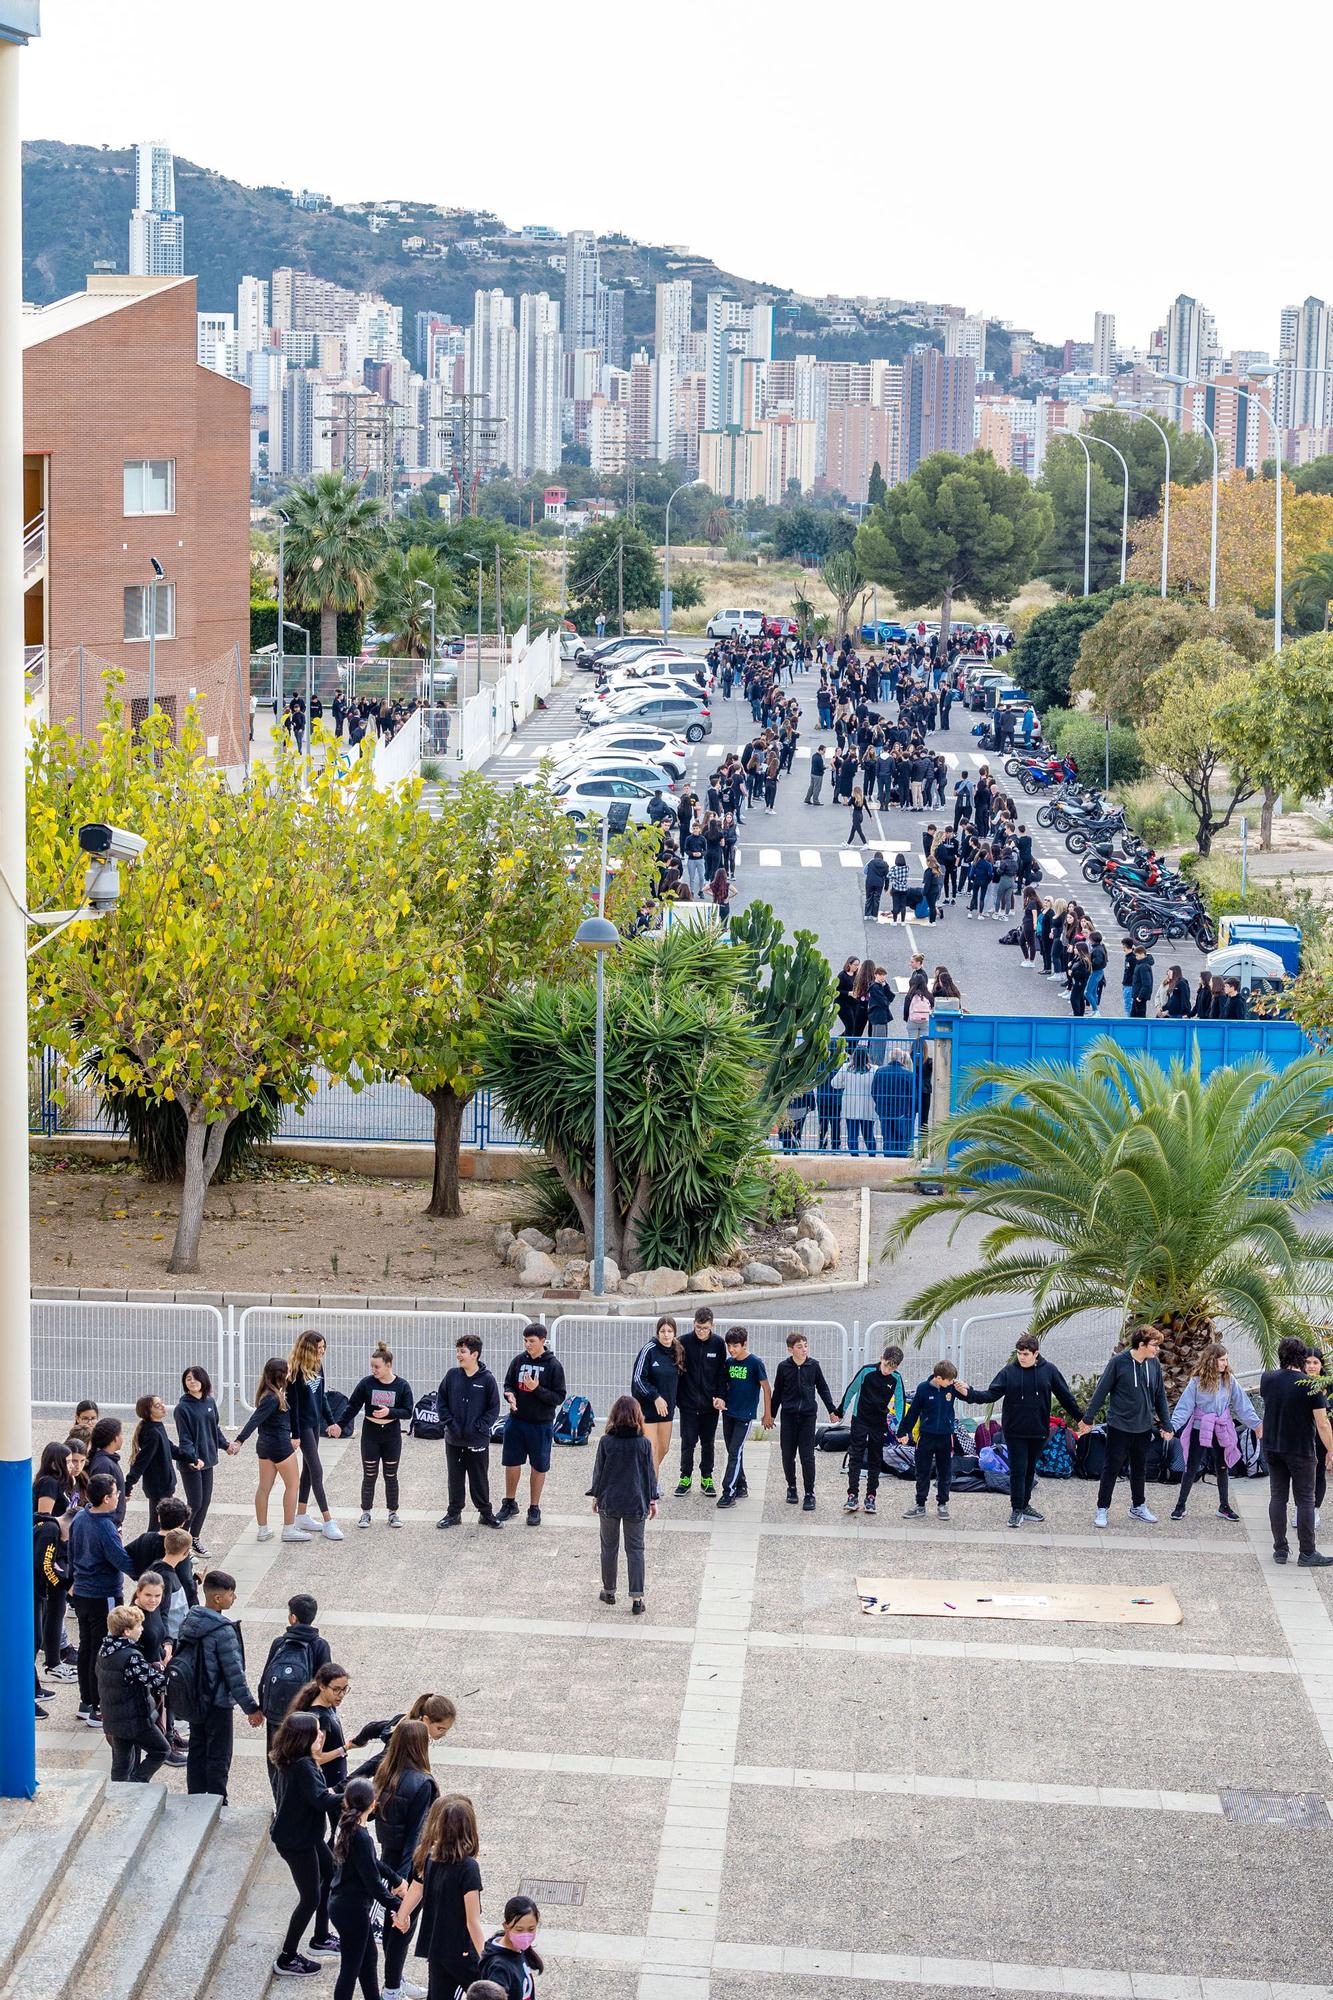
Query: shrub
1083, 737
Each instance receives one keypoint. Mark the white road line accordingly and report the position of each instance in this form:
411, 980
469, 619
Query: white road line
848, 859
1050, 866
811, 858
516, 749
900, 981
770, 857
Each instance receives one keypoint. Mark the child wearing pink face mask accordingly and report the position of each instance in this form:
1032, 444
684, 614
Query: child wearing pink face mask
510, 1959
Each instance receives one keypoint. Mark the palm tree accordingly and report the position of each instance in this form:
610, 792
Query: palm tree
1310, 590
402, 608
1170, 1195
334, 547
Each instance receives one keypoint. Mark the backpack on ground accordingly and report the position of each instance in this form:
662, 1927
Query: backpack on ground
337, 1403
187, 1690
1010, 937
288, 1669
426, 1419
574, 1421
994, 1463
1057, 1460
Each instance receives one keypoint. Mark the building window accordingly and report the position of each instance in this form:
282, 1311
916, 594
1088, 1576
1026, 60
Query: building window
150, 486
138, 599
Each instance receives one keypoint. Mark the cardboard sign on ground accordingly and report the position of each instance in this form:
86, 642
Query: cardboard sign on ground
1044, 1603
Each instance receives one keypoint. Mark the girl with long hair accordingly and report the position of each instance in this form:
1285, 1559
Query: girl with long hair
405, 1792
360, 1880
153, 1457
200, 1433
446, 1884
271, 1421
322, 1697
624, 1496
1211, 1406
311, 1414
655, 1384
299, 1822
510, 1957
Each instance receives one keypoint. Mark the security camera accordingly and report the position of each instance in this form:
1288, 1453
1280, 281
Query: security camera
111, 843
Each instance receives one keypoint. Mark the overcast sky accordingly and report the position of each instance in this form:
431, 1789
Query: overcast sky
1035, 163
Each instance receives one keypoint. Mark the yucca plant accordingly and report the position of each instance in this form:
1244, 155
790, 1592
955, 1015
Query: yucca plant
1120, 1182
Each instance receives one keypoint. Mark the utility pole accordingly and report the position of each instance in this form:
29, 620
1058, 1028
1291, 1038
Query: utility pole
620, 582
631, 502
499, 609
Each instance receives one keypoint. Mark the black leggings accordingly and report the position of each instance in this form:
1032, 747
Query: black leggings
1194, 1465
199, 1494
312, 1472
359, 1957
396, 1945
312, 1872
796, 1437
50, 1632
380, 1447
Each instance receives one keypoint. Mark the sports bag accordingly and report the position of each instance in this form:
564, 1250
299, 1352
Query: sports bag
286, 1673
994, 1462
1057, 1460
574, 1421
337, 1403
426, 1419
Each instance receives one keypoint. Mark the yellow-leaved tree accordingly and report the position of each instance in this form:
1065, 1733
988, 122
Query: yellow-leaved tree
1246, 521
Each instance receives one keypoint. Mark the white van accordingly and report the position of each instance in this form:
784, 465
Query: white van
727, 624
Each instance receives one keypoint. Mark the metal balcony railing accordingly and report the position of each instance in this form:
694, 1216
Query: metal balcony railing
34, 546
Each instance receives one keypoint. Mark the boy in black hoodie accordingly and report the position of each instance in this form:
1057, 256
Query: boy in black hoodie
932, 1407
877, 1402
705, 1359
798, 1389
534, 1389
469, 1403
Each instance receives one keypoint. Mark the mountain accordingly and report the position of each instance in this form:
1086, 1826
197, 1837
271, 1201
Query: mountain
76, 210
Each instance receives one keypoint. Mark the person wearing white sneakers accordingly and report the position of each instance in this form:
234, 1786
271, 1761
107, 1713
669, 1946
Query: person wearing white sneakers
1132, 1381
271, 1421
311, 1415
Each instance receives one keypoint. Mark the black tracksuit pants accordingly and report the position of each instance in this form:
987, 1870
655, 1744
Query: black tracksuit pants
934, 1459
1124, 1447
866, 1449
796, 1438
462, 1465
698, 1428
92, 1614
1023, 1456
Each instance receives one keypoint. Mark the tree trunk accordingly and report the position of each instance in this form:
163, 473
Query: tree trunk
1204, 837
1184, 1337
328, 630
203, 1150
946, 618
448, 1107
1266, 819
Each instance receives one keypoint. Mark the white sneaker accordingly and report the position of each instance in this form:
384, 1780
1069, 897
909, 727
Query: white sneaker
264, 1535
364, 1522
405, 1992
1143, 1514
1102, 1518
332, 1532
395, 1521
290, 1534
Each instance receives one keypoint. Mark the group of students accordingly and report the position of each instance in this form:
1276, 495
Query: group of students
357, 716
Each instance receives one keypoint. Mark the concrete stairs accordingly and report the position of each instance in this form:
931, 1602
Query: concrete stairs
128, 1892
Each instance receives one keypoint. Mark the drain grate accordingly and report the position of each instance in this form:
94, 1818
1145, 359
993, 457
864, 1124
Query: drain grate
568, 1894
1253, 1808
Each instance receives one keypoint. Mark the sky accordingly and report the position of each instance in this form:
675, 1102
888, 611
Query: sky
1035, 163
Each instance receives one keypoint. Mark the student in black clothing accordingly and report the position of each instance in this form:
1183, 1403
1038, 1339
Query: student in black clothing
624, 1497
704, 1358
534, 1389
294, 1658
271, 1422
655, 1385
469, 1402
221, 1671
878, 1401
311, 1416
1132, 1387
299, 1823
129, 1690
798, 1389
147, 1598
435, 1710
387, 1401
932, 1407
201, 1440
446, 1883
1027, 1385
323, 1697
510, 1957
405, 1791
104, 1456
148, 1550
153, 1457
360, 1880
1296, 1431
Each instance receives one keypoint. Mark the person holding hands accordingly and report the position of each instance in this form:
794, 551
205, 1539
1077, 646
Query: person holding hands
1133, 1387
1024, 1388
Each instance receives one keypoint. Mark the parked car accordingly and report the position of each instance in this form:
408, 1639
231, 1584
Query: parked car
619, 684
885, 633
668, 752
778, 626
728, 624
666, 707
610, 765
615, 652
588, 797
573, 650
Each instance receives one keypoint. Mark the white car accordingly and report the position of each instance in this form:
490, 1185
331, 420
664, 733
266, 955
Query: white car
610, 765
588, 798
668, 752
616, 689
727, 624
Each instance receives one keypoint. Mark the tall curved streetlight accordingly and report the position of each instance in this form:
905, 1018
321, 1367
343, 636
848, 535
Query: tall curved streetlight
1252, 396
666, 557
1186, 382
1087, 507
1166, 492
1092, 438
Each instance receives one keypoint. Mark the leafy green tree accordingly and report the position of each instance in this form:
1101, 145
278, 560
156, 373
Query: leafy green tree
958, 525
687, 590
594, 573
257, 937
1118, 1181
843, 581
1316, 477
495, 902
1309, 594
1044, 658
1183, 736
1140, 445
333, 549
876, 486
1118, 656
402, 608
1064, 481
1278, 723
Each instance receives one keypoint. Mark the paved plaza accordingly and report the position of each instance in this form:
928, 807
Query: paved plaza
754, 1789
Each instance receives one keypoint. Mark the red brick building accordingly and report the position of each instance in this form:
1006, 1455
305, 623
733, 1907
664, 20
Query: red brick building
132, 452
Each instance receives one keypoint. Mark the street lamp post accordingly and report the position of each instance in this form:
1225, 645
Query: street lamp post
1124, 512
428, 590
284, 522
1087, 509
1185, 382
1270, 411
480, 561
666, 557
1166, 493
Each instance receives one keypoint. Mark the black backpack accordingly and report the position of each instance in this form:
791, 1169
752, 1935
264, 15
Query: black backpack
187, 1688
337, 1403
289, 1667
426, 1420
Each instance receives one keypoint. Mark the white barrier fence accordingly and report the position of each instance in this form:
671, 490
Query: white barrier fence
116, 1353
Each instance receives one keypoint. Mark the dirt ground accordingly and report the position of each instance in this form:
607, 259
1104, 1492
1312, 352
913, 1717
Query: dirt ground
285, 1229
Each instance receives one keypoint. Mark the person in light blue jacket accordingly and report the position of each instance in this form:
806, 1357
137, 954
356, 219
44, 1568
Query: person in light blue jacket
1211, 1407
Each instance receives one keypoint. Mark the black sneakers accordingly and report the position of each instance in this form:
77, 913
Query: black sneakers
508, 1509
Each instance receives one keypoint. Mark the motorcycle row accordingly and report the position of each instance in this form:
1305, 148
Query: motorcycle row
1150, 900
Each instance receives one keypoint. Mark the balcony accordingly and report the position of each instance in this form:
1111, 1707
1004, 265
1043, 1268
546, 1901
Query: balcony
34, 548
34, 670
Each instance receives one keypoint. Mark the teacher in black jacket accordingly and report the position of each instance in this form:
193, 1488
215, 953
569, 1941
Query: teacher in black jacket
1025, 1388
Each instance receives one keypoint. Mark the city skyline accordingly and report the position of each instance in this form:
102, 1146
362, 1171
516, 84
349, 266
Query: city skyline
86, 82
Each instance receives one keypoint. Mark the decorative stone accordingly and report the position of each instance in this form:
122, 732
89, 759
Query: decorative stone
515, 1251
661, 1283
504, 1236
703, 1280
789, 1263
570, 1243
576, 1272
806, 1247
760, 1274
535, 1240
537, 1271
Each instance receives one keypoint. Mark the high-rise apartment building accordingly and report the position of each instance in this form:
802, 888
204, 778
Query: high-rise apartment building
493, 371
1190, 348
642, 401
966, 337
215, 348
1103, 344
252, 320
673, 344
608, 435
1305, 383
536, 430
675, 309
938, 393
734, 462
582, 277
611, 324
157, 231
859, 438
789, 456
734, 333
300, 302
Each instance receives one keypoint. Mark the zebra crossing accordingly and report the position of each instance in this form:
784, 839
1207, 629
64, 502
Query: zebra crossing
1052, 867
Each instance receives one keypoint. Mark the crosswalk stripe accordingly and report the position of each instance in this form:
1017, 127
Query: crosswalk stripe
1050, 866
516, 748
849, 860
769, 857
810, 858
900, 981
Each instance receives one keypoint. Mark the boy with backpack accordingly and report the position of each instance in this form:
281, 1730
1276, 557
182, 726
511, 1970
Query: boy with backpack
932, 1408
206, 1680
294, 1658
878, 1401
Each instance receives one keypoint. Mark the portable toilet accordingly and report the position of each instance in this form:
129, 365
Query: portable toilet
1269, 933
